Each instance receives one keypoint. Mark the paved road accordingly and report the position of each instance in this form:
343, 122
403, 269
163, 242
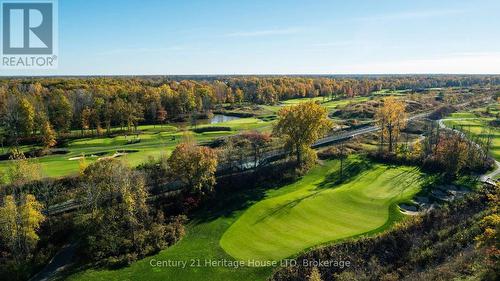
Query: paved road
58, 263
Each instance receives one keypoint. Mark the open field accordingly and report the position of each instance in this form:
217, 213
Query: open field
154, 141
309, 212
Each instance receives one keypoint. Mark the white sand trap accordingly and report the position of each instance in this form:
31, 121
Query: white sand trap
81, 157
113, 156
76, 158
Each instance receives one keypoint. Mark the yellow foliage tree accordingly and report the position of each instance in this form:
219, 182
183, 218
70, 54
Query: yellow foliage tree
301, 125
20, 223
27, 114
22, 170
48, 135
451, 152
417, 150
391, 118
315, 275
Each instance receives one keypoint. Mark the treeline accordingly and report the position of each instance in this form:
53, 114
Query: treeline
37, 107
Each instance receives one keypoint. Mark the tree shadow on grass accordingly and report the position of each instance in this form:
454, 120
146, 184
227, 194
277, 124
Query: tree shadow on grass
240, 191
284, 208
352, 168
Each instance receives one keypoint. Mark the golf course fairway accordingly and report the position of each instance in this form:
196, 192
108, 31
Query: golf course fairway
279, 223
312, 211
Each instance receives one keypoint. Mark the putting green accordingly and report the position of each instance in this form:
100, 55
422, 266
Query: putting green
312, 211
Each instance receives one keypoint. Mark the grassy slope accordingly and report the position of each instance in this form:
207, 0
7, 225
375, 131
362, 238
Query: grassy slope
203, 237
476, 126
154, 142
312, 212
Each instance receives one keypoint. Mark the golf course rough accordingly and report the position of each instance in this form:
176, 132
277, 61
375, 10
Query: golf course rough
310, 212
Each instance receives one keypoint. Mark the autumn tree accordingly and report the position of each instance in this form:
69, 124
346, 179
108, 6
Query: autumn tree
257, 142
48, 135
315, 275
391, 117
59, 111
27, 114
301, 125
85, 119
194, 166
490, 232
109, 190
234, 153
238, 95
161, 115
21, 220
134, 113
22, 170
451, 152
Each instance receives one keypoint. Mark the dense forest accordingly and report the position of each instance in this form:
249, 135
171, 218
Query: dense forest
46, 106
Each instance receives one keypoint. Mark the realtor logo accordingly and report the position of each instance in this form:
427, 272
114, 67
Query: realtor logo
29, 34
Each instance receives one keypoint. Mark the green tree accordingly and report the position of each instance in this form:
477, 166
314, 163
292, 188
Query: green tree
60, 111
301, 125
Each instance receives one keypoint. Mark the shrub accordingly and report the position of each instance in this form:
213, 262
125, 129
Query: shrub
211, 129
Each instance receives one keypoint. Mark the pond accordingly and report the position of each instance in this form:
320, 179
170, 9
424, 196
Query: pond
220, 118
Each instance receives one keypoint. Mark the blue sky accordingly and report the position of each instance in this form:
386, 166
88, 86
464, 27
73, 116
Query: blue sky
276, 37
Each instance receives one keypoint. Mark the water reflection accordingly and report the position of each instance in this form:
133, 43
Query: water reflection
219, 118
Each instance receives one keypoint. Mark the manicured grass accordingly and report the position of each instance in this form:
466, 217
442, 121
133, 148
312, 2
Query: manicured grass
200, 243
388, 92
312, 204
330, 105
313, 211
476, 126
327, 103
155, 141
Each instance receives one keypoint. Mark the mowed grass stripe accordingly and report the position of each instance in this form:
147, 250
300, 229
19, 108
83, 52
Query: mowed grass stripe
309, 214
